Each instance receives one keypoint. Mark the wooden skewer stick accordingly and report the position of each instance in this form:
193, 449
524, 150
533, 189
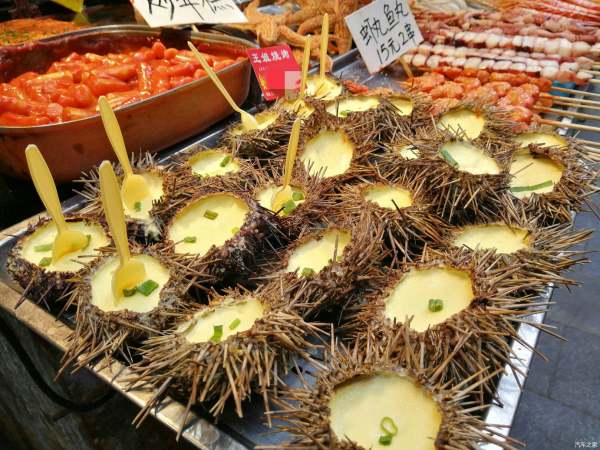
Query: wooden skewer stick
592, 150
585, 106
589, 104
586, 142
594, 81
593, 72
575, 91
574, 101
574, 126
562, 112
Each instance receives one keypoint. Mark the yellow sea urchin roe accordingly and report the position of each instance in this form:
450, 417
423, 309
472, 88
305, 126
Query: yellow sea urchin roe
469, 158
458, 121
298, 107
386, 195
358, 407
264, 119
142, 211
541, 139
529, 170
195, 221
404, 106
102, 293
234, 316
265, 197
329, 154
407, 151
498, 236
318, 252
410, 297
211, 163
328, 89
355, 103
38, 245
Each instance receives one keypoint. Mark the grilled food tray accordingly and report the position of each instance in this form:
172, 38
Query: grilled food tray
232, 432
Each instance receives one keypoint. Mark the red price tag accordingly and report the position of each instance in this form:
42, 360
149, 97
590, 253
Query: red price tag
276, 70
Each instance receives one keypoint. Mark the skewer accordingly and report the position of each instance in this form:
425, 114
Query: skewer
575, 126
593, 72
562, 112
585, 106
594, 81
574, 91
573, 101
585, 141
595, 151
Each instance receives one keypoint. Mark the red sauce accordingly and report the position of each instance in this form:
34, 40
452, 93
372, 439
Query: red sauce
70, 88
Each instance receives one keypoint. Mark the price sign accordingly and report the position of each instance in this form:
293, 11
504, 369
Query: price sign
161, 13
383, 31
276, 70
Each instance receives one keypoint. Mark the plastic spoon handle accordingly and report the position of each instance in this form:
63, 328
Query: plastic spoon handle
247, 118
113, 131
44, 185
215, 79
305, 61
324, 43
290, 157
113, 209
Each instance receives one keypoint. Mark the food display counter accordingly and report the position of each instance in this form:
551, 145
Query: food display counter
446, 161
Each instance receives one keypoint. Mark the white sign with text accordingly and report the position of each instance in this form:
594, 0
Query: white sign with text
163, 13
383, 31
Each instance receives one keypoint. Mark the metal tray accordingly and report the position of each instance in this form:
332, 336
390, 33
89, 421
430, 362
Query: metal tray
150, 125
232, 432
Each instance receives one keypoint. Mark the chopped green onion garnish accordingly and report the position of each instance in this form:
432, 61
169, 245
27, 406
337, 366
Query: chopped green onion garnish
190, 239
388, 426
137, 206
448, 157
233, 325
89, 239
297, 196
386, 439
43, 248
289, 207
225, 161
339, 258
533, 187
235, 230
45, 261
129, 292
435, 304
217, 334
307, 272
344, 112
210, 214
147, 287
